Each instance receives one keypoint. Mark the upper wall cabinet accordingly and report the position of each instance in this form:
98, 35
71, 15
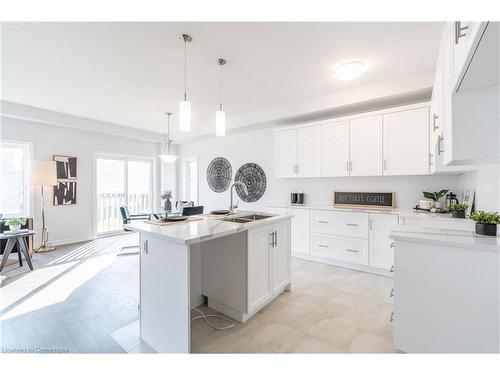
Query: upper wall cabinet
335, 145
406, 142
396, 139
298, 152
366, 146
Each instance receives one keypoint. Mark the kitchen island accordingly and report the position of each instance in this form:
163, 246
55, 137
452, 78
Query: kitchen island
238, 263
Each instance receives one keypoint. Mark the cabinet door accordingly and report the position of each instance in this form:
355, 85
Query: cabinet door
406, 142
381, 252
286, 153
366, 146
281, 256
301, 230
259, 267
335, 146
309, 151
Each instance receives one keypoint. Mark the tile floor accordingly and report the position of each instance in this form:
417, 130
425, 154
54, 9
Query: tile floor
83, 298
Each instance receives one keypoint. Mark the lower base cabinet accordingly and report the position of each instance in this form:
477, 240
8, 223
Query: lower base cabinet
344, 249
381, 247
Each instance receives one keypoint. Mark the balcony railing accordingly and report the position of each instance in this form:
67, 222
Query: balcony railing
108, 209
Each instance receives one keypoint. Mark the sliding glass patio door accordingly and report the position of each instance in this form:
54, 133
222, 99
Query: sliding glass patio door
121, 182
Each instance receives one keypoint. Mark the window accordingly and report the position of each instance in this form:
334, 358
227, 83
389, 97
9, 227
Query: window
190, 179
14, 178
121, 181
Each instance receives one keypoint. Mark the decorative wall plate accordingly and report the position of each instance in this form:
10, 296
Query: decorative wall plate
219, 174
254, 177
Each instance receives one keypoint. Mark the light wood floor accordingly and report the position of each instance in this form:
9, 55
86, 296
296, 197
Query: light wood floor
80, 294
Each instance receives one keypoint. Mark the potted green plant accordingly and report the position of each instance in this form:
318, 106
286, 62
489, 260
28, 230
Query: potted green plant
15, 223
436, 196
458, 210
486, 222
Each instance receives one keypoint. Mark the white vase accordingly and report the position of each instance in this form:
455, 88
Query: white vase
437, 205
14, 228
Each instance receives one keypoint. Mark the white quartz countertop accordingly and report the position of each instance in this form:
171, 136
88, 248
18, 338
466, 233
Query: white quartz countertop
403, 212
207, 228
445, 237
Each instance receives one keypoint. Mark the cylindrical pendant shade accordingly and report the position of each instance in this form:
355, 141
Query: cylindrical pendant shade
184, 116
44, 173
220, 123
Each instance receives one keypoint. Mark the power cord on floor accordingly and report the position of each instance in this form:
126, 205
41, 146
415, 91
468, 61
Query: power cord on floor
206, 316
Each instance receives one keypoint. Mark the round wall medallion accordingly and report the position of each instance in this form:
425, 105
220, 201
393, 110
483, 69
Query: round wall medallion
254, 177
219, 174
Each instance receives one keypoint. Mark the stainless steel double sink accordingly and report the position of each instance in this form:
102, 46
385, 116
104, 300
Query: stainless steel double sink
246, 218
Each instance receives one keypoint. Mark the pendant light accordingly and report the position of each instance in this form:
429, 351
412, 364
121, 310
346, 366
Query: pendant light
220, 115
184, 105
166, 155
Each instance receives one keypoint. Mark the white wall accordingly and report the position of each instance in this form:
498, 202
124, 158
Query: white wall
258, 147
486, 183
73, 223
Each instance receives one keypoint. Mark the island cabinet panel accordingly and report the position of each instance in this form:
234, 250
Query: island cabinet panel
164, 291
259, 267
280, 251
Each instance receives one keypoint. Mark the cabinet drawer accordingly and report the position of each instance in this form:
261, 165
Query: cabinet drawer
352, 250
353, 224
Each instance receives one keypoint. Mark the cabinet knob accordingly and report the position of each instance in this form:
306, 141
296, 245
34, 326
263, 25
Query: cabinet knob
392, 293
146, 247
392, 269
392, 317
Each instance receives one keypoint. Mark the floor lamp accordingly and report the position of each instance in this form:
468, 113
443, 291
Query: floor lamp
44, 174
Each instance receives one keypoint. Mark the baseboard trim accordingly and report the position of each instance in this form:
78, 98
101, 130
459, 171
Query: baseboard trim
352, 266
66, 241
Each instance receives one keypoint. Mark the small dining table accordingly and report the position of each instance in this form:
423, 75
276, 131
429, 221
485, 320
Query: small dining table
17, 238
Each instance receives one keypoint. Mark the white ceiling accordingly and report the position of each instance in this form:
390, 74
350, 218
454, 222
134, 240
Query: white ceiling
131, 73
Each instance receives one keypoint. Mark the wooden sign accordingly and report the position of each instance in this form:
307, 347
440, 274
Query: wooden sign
363, 199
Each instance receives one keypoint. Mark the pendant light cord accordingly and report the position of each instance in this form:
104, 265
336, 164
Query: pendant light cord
220, 84
185, 70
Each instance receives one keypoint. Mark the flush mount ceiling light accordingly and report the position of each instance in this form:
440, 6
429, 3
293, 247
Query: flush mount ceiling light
220, 115
166, 155
349, 70
184, 105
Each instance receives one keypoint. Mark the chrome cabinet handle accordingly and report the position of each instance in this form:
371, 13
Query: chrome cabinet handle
385, 164
392, 269
272, 239
392, 317
430, 159
352, 250
350, 165
275, 238
146, 247
297, 168
459, 31
440, 139
371, 224
352, 225
322, 222
391, 245
322, 245
434, 118
392, 293
347, 165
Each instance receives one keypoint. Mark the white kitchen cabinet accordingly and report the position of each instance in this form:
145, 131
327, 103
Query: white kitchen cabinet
463, 34
259, 267
439, 222
335, 145
343, 249
280, 254
300, 230
309, 152
268, 263
341, 223
286, 153
406, 142
366, 146
381, 250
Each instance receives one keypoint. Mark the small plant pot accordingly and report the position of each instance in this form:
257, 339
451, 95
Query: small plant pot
436, 205
458, 214
14, 228
486, 229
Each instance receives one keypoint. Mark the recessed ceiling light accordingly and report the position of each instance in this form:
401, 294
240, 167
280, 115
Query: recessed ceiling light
349, 70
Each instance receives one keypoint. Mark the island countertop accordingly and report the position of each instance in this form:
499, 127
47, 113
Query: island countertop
445, 237
207, 228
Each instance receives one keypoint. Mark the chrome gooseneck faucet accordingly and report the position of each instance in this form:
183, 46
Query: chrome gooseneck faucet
232, 207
